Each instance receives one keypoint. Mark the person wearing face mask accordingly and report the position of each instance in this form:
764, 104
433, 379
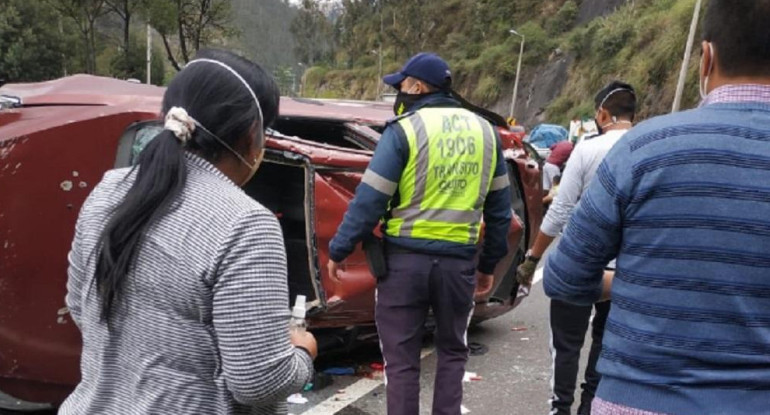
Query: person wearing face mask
683, 202
437, 170
177, 278
615, 110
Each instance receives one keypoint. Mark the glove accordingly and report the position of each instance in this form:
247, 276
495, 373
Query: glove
525, 272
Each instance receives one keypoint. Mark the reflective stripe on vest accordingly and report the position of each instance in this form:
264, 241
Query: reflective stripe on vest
445, 182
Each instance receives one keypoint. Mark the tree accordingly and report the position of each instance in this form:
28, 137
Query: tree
125, 10
312, 33
191, 24
31, 48
409, 25
137, 59
84, 13
265, 33
354, 29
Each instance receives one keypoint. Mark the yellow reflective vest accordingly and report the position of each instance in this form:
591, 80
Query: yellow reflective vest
452, 158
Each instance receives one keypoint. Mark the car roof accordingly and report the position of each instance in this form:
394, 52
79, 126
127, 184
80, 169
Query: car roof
78, 98
103, 91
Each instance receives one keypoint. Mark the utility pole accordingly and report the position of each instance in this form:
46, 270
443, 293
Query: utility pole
379, 56
518, 71
686, 59
149, 53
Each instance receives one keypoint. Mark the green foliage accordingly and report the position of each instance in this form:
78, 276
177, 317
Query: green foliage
642, 44
31, 47
580, 40
487, 90
613, 34
163, 16
499, 61
190, 25
134, 65
312, 80
312, 34
83, 14
538, 44
44, 39
564, 19
265, 32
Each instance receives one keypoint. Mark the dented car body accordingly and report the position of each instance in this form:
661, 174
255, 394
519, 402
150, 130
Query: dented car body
58, 138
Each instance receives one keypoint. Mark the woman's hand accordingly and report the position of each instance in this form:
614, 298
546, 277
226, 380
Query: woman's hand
305, 340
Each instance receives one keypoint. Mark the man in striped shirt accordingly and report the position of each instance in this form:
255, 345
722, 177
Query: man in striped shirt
683, 202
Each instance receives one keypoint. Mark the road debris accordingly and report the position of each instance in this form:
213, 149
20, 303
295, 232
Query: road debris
471, 376
340, 371
296, 399
377, 366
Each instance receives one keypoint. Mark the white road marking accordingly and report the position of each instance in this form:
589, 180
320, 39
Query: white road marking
354, 392
339, 401
363, 386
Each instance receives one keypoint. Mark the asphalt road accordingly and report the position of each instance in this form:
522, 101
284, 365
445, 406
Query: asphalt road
515, 372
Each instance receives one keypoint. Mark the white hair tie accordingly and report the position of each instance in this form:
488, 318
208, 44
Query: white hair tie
179, 122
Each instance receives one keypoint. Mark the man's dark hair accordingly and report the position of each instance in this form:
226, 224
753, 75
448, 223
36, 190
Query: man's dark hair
739, 31
618, 98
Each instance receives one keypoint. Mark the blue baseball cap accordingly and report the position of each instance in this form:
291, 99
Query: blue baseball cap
427, 67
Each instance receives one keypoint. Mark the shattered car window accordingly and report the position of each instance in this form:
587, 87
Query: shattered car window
143, 137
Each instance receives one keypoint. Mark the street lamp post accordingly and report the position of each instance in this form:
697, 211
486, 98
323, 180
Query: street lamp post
518, 71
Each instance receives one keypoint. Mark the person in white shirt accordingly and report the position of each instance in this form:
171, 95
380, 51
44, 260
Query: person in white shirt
615, 110
554, 164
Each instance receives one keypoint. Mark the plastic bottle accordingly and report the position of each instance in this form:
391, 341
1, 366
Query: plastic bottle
297, 322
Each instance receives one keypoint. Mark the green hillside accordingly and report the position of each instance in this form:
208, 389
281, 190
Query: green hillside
572, 48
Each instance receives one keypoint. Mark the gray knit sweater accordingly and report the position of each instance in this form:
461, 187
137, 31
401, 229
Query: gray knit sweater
202, 326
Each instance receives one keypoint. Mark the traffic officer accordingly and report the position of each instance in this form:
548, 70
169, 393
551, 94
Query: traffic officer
437, 169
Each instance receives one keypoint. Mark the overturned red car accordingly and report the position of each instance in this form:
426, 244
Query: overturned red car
58, 138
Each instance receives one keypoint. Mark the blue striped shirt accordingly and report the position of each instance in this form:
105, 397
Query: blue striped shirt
683, 202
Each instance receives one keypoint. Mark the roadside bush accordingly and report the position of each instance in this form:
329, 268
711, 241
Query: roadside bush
563, 20
499, 60
538, 43
615, 32
488, 90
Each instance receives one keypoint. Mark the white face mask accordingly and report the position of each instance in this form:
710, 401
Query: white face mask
703, 84
254, 167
